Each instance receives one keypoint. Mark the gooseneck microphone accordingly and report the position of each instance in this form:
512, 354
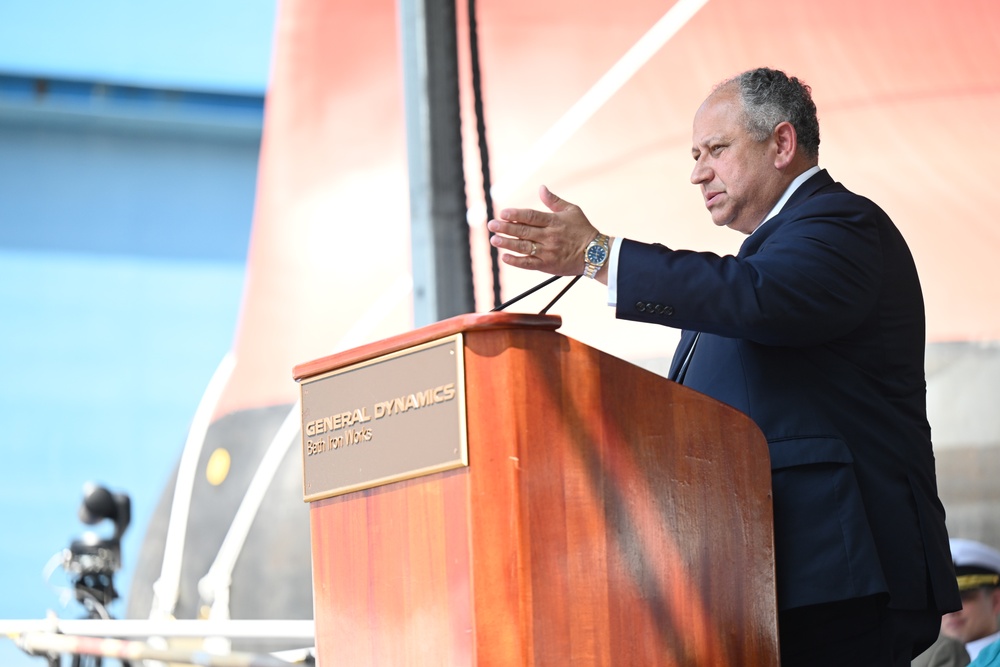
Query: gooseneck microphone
534, 289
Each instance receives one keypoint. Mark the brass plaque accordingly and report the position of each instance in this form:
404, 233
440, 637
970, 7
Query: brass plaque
392, 418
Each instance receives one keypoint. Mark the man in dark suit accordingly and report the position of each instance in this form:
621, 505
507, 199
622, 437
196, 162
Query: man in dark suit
815, 329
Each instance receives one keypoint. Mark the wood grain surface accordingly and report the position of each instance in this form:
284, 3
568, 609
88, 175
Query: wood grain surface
607, 517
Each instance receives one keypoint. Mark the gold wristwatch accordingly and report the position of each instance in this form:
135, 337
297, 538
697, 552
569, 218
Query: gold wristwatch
595, 255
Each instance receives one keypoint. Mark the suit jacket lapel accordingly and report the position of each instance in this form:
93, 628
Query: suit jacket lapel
815, 183
682, 356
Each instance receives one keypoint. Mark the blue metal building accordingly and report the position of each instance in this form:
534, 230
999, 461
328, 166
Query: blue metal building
129, 138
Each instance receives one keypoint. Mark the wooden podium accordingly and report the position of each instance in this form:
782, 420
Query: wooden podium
607, 516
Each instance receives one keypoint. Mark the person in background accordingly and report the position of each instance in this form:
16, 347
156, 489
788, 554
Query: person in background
977, 569
945, 652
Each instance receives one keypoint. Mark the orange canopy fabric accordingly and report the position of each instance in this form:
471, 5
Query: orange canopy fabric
908, 96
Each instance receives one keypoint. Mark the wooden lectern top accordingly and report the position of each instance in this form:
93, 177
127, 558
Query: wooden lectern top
442, 329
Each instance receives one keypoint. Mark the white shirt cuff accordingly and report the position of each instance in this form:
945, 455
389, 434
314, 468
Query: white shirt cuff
616, 247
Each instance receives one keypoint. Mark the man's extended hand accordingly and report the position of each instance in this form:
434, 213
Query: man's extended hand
550, 242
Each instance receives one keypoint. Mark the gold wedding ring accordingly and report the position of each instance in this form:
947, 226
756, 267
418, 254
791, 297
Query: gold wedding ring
534, 249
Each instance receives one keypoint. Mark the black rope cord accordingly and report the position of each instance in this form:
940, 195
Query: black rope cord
484, 155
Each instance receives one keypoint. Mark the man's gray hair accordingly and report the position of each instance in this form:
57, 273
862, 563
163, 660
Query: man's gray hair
771, 97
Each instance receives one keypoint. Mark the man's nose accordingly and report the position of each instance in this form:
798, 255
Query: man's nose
700, 173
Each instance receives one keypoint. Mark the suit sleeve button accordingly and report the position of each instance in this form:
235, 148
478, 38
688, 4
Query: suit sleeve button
640, 306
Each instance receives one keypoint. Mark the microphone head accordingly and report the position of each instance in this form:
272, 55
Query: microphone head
97, 504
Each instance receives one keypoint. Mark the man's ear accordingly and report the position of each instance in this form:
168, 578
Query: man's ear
786, 142
995, 601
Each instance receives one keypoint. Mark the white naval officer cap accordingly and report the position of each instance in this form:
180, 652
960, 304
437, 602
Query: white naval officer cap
976, 564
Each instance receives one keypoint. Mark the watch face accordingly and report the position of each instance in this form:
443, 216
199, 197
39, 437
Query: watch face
596, 254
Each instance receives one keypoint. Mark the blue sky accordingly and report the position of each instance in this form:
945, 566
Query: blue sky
217, 45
